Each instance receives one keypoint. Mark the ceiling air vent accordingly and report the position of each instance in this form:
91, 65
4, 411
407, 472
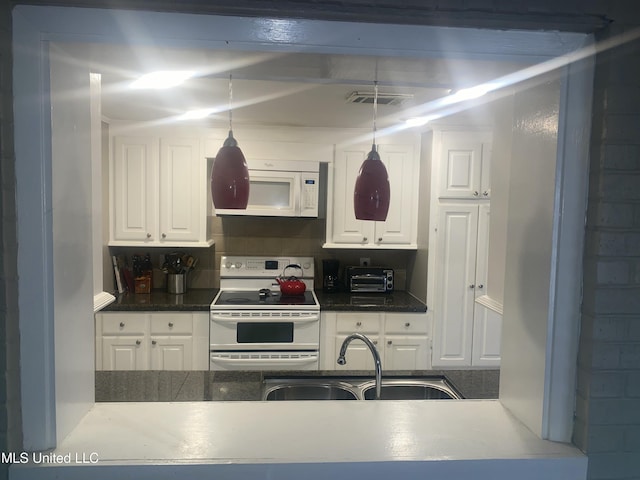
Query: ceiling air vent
383, 98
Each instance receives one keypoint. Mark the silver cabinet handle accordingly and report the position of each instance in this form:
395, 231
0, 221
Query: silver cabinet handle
358, 324
481, 286
164, 235
475, 194
365, 239
375, 342
407, 324
148, 235
472, 286
121, 324
485, 193
389, 342
170, 324
138, 342
153, 342
380, 239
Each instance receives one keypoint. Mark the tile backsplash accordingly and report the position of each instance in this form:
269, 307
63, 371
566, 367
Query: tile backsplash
269, 236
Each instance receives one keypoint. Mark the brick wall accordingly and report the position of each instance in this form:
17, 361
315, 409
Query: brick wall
608, 403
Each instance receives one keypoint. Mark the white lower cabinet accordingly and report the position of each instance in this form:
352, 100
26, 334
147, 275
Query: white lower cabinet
152, 341
123, 352
466, 333
402, 340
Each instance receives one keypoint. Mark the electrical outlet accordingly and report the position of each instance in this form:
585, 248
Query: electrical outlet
365, 261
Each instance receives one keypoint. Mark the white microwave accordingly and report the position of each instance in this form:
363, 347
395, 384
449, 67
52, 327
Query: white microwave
281, 188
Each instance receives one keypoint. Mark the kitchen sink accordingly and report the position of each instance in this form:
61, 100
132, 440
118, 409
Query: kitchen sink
410, 390
313, 390
356, 388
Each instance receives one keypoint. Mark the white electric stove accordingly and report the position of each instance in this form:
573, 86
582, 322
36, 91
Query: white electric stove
254, 326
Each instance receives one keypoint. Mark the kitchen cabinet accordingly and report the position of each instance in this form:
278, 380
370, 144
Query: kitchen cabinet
152, 341
402, 340
464, 165
467, 329
399, 230
466, 333
159, 189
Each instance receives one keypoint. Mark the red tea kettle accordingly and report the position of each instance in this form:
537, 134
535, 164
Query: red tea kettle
291, 285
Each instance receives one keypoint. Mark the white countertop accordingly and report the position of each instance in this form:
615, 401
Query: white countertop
316, 439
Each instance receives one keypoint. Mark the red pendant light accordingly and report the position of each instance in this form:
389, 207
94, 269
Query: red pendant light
230, 175
372, 192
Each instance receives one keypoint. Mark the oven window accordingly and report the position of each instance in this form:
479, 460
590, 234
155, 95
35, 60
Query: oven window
274, 332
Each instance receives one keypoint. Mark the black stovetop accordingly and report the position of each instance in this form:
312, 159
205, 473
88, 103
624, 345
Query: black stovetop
254, 298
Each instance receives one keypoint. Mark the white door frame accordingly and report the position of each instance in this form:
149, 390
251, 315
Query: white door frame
35, 26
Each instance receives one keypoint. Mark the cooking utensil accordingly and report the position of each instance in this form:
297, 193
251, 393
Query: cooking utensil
291, 285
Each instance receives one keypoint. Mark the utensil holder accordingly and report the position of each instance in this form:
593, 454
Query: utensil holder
176, 283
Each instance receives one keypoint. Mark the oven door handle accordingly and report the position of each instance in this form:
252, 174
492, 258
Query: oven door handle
257, 362
221, 318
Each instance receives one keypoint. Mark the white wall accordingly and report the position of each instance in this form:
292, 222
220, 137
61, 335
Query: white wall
529, 252
72, 239
417, 274
500, 172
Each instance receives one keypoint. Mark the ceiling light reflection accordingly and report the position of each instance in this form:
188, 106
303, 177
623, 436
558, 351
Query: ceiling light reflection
197, 114
420, 121
162, 79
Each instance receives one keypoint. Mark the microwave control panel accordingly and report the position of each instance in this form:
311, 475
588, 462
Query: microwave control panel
309, 194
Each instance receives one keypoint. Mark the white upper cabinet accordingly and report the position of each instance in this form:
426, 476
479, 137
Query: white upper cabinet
464, 165
159, 192
134, 182
399, 230
181, 208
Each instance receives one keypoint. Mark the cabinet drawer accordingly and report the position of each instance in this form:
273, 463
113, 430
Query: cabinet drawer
400, 324
358, 323
124, 324
171, 324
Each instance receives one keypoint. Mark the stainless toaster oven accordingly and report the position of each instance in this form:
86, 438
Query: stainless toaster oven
369, 279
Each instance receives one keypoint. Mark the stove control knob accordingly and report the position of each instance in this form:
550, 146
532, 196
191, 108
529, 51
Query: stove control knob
238, 265
227, 265
306, 266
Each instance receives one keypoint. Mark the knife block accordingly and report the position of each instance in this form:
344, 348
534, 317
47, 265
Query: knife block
143, 284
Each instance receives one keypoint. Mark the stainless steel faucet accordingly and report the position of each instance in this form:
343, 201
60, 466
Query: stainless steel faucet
374, 352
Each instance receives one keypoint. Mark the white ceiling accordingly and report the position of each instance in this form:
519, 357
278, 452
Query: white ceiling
279, 89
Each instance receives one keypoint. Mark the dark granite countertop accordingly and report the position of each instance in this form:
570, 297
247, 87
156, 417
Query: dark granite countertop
193, 300
200, 300
398, 301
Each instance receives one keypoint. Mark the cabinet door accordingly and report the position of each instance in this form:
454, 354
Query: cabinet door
346, 228
482, 250
455, 284
125, 352
408, 352
135, 189
462, 165
487, 335
398, 228
358, 356
181, 208
487, 324
172, 353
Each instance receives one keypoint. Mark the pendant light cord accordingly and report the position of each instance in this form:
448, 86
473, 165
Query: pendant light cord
230, 100
375, 111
